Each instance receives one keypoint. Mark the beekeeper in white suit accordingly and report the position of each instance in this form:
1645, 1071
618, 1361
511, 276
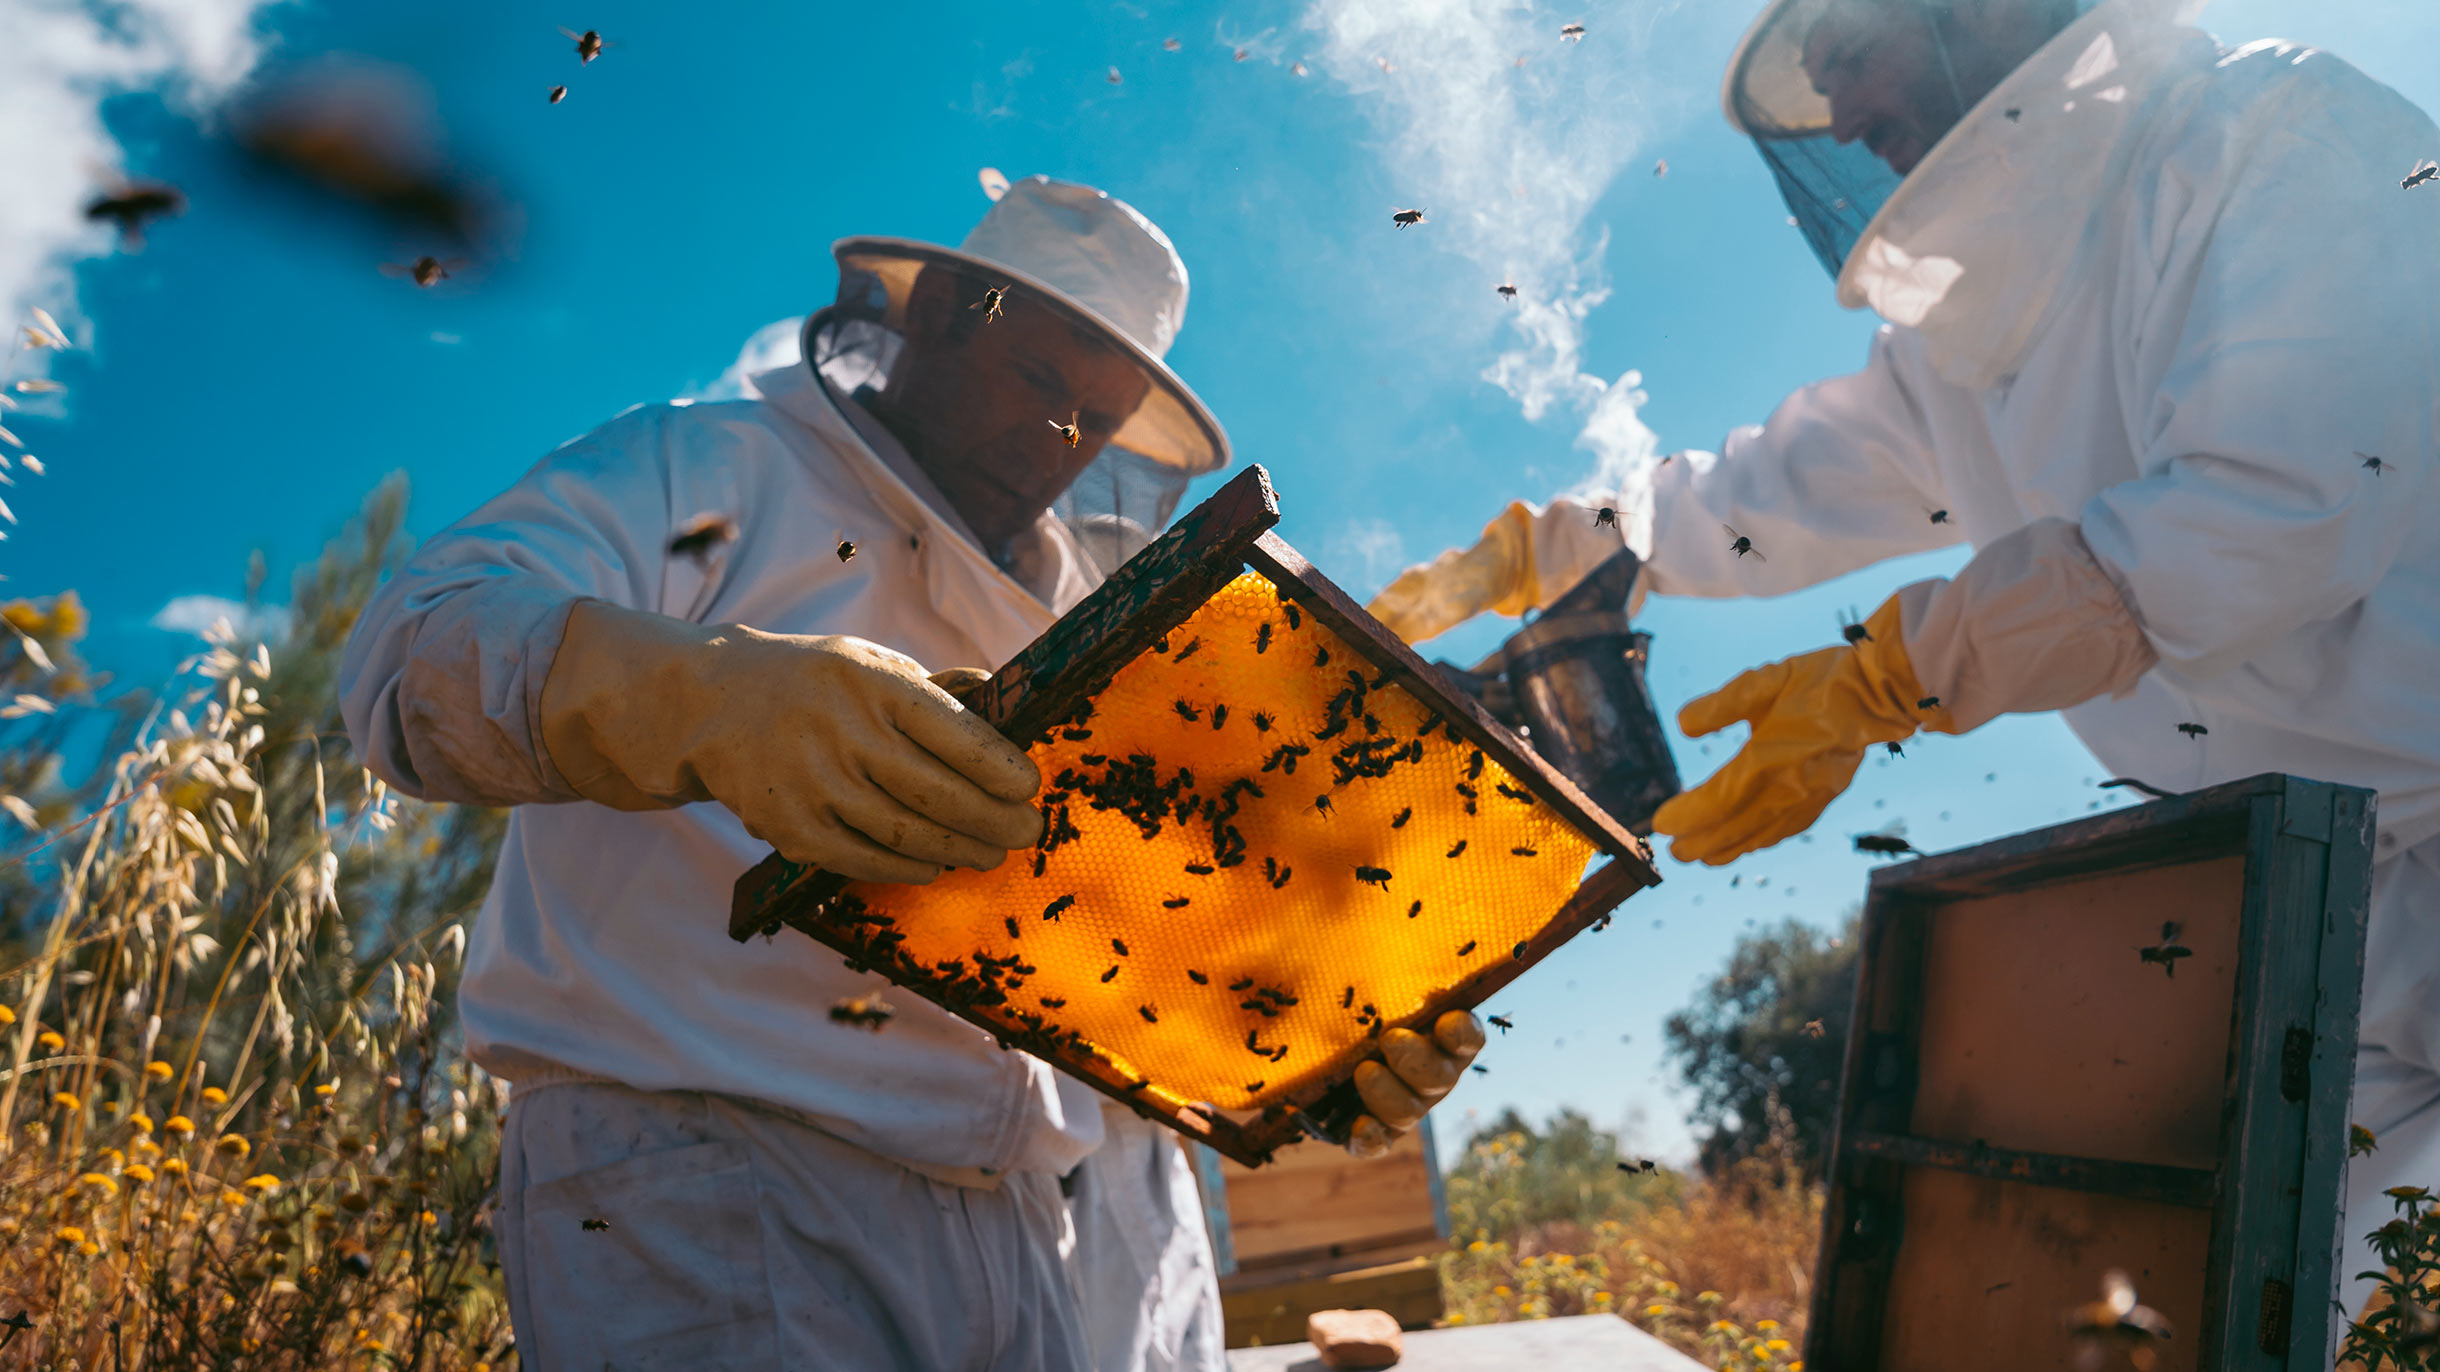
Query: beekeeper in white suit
703, 631
2162, 344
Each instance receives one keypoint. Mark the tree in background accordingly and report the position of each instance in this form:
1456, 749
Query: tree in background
1766, 1037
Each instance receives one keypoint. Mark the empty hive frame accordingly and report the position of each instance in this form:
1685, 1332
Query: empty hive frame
1270, 835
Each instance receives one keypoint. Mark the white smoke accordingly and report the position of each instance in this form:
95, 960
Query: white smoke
1509, 160
59, 60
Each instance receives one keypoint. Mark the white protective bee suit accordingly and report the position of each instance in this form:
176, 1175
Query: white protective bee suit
771, 1180
2150, 306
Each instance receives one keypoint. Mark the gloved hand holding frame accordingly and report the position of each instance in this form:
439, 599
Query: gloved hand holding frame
1271, 835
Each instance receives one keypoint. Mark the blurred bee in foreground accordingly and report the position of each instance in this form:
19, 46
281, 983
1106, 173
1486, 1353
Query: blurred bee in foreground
863, 1012
991, 302
1605, 517
1406, 219
426, 271
2116, 1323
698, 538
589, 44
2168, 950
1069, 433
133, 204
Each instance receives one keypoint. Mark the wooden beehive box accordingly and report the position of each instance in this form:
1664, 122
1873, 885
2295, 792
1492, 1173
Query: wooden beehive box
2029, 1102
1318, 1229
1272, 833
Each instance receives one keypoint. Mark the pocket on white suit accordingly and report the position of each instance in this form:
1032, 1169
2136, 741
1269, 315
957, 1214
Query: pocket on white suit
649, 1264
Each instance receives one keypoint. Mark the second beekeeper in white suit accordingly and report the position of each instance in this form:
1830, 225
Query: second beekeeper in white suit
2162, 344
702, 631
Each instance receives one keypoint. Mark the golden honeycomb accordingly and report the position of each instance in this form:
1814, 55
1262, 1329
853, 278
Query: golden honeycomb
1220, 924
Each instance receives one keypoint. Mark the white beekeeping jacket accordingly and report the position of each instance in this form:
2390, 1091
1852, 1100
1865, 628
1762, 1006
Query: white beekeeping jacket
602, 950
2180, 324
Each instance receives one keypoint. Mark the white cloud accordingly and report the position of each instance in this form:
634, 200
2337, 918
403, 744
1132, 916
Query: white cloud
196, 614
59, 59
1363, 555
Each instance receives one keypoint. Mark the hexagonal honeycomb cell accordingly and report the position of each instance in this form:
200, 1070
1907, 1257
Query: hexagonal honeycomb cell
1256, 853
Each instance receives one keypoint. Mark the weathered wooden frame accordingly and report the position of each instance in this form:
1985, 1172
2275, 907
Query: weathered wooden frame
2275, 1194
1057, 675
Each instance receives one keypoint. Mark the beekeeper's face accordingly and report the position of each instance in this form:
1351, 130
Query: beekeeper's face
1899, 74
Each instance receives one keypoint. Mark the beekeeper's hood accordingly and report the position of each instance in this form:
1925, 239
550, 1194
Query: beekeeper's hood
1970, 245
1049, 260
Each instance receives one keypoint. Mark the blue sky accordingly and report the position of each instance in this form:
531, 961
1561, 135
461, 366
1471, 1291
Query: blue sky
251, 375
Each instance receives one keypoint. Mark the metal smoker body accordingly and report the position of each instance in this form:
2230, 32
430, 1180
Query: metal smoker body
1573, 681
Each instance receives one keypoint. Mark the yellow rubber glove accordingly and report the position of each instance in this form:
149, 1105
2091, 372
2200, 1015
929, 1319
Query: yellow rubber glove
1813, 716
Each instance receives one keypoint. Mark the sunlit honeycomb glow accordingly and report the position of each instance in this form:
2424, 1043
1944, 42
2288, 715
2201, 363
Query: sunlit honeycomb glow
1266, 936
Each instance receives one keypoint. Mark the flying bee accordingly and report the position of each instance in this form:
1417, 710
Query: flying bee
596, 1225
1240, 54
863, 1012
1502, 1021
558, 93
1571, 33
1660, 169
698, 538
2424, 171
1374, 876
1507, 290
2116, 1322
1938, 516
2192, 730
589, 44
1852, 628
1068, 432
1479, 1070
1928, 703
991, 302
1894, 749
1741, 545
2168, 950
1406, 218
1605, 517
133, 204
1171, 45
1890, 842
846, 549
2375, 465
426, 271
1638, 1165
1262, 638
1322, 804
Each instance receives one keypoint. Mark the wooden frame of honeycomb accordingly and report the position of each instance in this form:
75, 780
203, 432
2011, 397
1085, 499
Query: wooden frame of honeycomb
1271, 833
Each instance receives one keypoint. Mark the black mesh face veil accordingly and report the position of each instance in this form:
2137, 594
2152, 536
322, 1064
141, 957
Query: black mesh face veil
1833, 190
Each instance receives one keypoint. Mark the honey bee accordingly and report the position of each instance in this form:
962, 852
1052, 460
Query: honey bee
1011, 922
1185, 711
1262, 638
2116, 1322
589, 44
1813, 1029
1321, 657
1114, 78
1068, 432
2373, 464
1741, 545
1885, 844
1522, 851
1176, 903
1252, 1086
863, 1012
2424, 171
1414, 909
1479, 1070
134, 204
558, 93
1193, 645
2167, 951
991, 302
1507, 290
1286, 606
1852, 628
1058, 907
1197, 977
1110, 975
846, 549
1502, 1022
1373, 876
1571, 33
698, 538
1149, 1016
1171, 45
1928, 703
426, 271
1322, 804
1605, 517
1399, 820
1638, 1165
596, 1225
1262, 722
1938, 516
1468, 948
2192, 730
1119, 946
1406, 218
1459, 848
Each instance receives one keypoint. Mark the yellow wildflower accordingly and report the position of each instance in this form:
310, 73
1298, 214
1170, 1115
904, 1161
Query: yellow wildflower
138, 1173
140, 1122
1722, 1327
146, 1145
1708, 1297
69, 1235
233, 1199
1477, 1246
234, 1145
328, 1088
1457, 1317
173, 1167
157, 1070
7, 1016
213, 1095
179, 1125
1502, 1291
1779, 1345
1655, 1311
50, 1040
88, 1248
429, 1218
97, 1182
263, 1182
66, 1100
1667, 1288
1765, 1326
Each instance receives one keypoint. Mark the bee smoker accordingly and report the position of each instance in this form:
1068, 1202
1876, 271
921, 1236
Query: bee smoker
1572, 681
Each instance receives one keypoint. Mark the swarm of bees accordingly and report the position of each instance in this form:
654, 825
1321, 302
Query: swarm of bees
1741, 545
2116, 1323
700, 537
869, 1013
133, 204
2424, 171
2167, 951
1406, 219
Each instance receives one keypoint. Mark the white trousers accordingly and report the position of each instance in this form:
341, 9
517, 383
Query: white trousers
1143, 1254
2397, 1061
672, 1230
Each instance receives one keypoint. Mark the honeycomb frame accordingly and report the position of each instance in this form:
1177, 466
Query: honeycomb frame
1045, 698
